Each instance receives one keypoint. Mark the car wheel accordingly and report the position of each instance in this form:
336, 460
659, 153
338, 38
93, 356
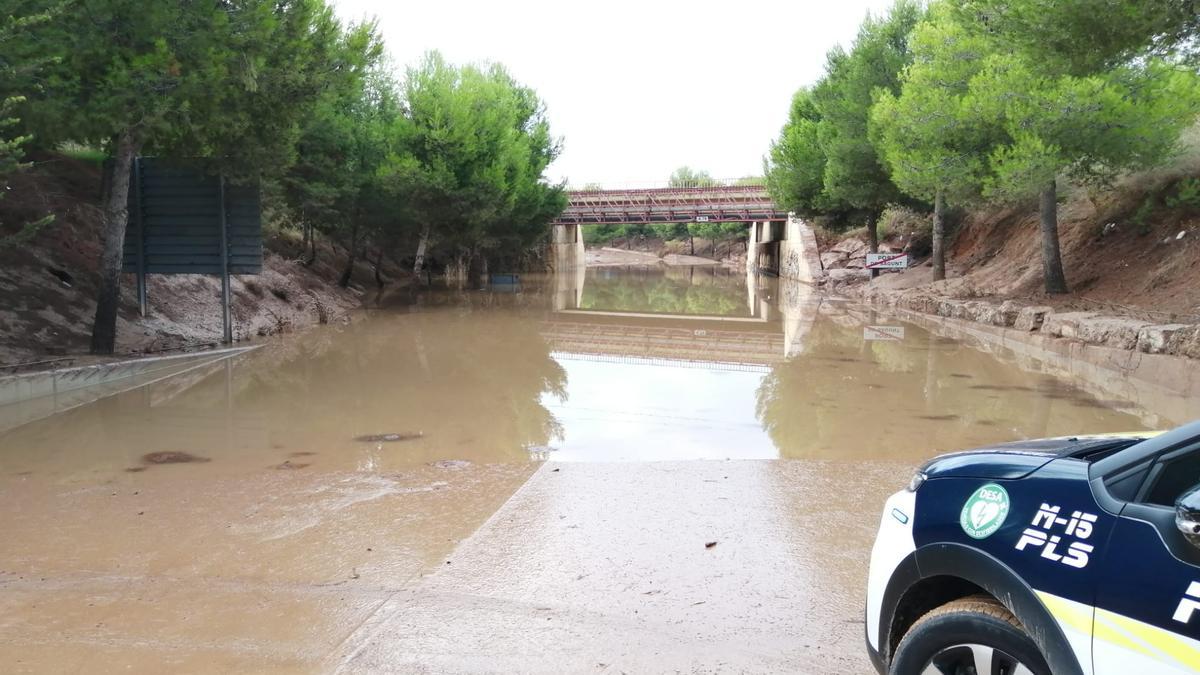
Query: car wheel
971, 636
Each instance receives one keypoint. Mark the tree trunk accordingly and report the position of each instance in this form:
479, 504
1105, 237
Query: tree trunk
691, 245
378, 267
939, 236
116, 217
873, 238
478, 270
1052, 267
349, 271
421, 246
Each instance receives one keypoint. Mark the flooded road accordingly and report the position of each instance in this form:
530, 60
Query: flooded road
503, 480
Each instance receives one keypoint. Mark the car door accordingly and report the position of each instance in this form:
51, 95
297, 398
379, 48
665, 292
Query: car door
1147, 617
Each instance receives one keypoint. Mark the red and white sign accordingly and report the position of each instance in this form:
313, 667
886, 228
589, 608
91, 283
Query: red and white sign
887, 261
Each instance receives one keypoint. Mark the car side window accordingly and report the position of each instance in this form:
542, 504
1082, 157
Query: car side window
1174, 475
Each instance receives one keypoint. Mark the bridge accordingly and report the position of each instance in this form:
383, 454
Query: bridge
718, 203
721, 203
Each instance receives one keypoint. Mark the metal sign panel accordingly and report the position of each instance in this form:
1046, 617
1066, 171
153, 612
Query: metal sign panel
887, 261
175, 222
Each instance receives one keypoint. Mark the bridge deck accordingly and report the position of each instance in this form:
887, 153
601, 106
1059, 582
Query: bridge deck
726, 203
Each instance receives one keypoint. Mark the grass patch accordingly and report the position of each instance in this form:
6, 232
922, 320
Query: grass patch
83, 153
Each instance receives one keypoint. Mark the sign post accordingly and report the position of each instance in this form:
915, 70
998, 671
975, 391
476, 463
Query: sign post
226, 315
141, 237
887, 261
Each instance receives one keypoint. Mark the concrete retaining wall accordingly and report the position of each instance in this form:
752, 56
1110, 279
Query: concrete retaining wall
1111, 357
30, 397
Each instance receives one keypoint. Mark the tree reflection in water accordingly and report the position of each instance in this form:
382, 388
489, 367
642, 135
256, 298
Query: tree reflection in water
666, 290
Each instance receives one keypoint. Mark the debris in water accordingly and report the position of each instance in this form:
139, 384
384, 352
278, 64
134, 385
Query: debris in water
554, 470
287, 465
963, 376
135, 469
301, 454
388, 438
451, 464
710, 544
172, 457
938, 418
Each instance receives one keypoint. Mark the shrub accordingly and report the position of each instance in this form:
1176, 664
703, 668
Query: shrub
1141, 217
1186, 195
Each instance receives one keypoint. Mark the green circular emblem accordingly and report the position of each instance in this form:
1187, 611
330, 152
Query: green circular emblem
984, 511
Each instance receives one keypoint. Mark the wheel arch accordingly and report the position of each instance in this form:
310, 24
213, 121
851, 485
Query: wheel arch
945, 570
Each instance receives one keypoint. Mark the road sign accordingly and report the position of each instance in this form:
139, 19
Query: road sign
701, 219
183, 220
887, 261
883, 333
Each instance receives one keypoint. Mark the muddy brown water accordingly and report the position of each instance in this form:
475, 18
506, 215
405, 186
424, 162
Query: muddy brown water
503, 479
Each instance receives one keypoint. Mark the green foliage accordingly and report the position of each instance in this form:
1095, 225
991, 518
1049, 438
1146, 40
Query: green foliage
718, 231
1186, 195
1088, 36
824, 163
795, 167
930, 136
16, 67
686, 176
854, 175
670, 231
1087, 127
1142, 217
599, 234
475, 145
280, 91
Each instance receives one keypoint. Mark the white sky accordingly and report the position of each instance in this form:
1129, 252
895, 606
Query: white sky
637, 89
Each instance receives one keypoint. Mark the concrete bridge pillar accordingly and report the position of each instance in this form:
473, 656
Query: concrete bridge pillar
787, 249
799, 258
566, 247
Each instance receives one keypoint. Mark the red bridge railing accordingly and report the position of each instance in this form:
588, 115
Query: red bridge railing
725, 203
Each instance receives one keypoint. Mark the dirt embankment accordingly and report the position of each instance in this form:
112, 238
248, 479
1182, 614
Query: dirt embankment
644, 250
48, 285
1134, 271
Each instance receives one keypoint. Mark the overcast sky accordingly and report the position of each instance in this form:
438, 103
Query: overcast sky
638, 88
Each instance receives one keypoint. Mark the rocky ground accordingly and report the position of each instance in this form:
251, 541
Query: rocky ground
1135, 284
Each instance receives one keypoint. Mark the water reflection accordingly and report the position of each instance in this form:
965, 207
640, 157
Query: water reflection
696, 291
608, 365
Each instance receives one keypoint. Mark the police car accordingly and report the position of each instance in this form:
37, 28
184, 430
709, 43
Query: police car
1066, 556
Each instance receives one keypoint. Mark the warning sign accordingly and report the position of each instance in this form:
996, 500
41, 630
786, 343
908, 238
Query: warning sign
887, 261
883, 333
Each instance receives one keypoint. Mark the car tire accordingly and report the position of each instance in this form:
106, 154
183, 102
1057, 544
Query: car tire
961, 637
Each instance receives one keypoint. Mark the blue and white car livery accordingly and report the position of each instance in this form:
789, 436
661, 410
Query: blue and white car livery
1077, 556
